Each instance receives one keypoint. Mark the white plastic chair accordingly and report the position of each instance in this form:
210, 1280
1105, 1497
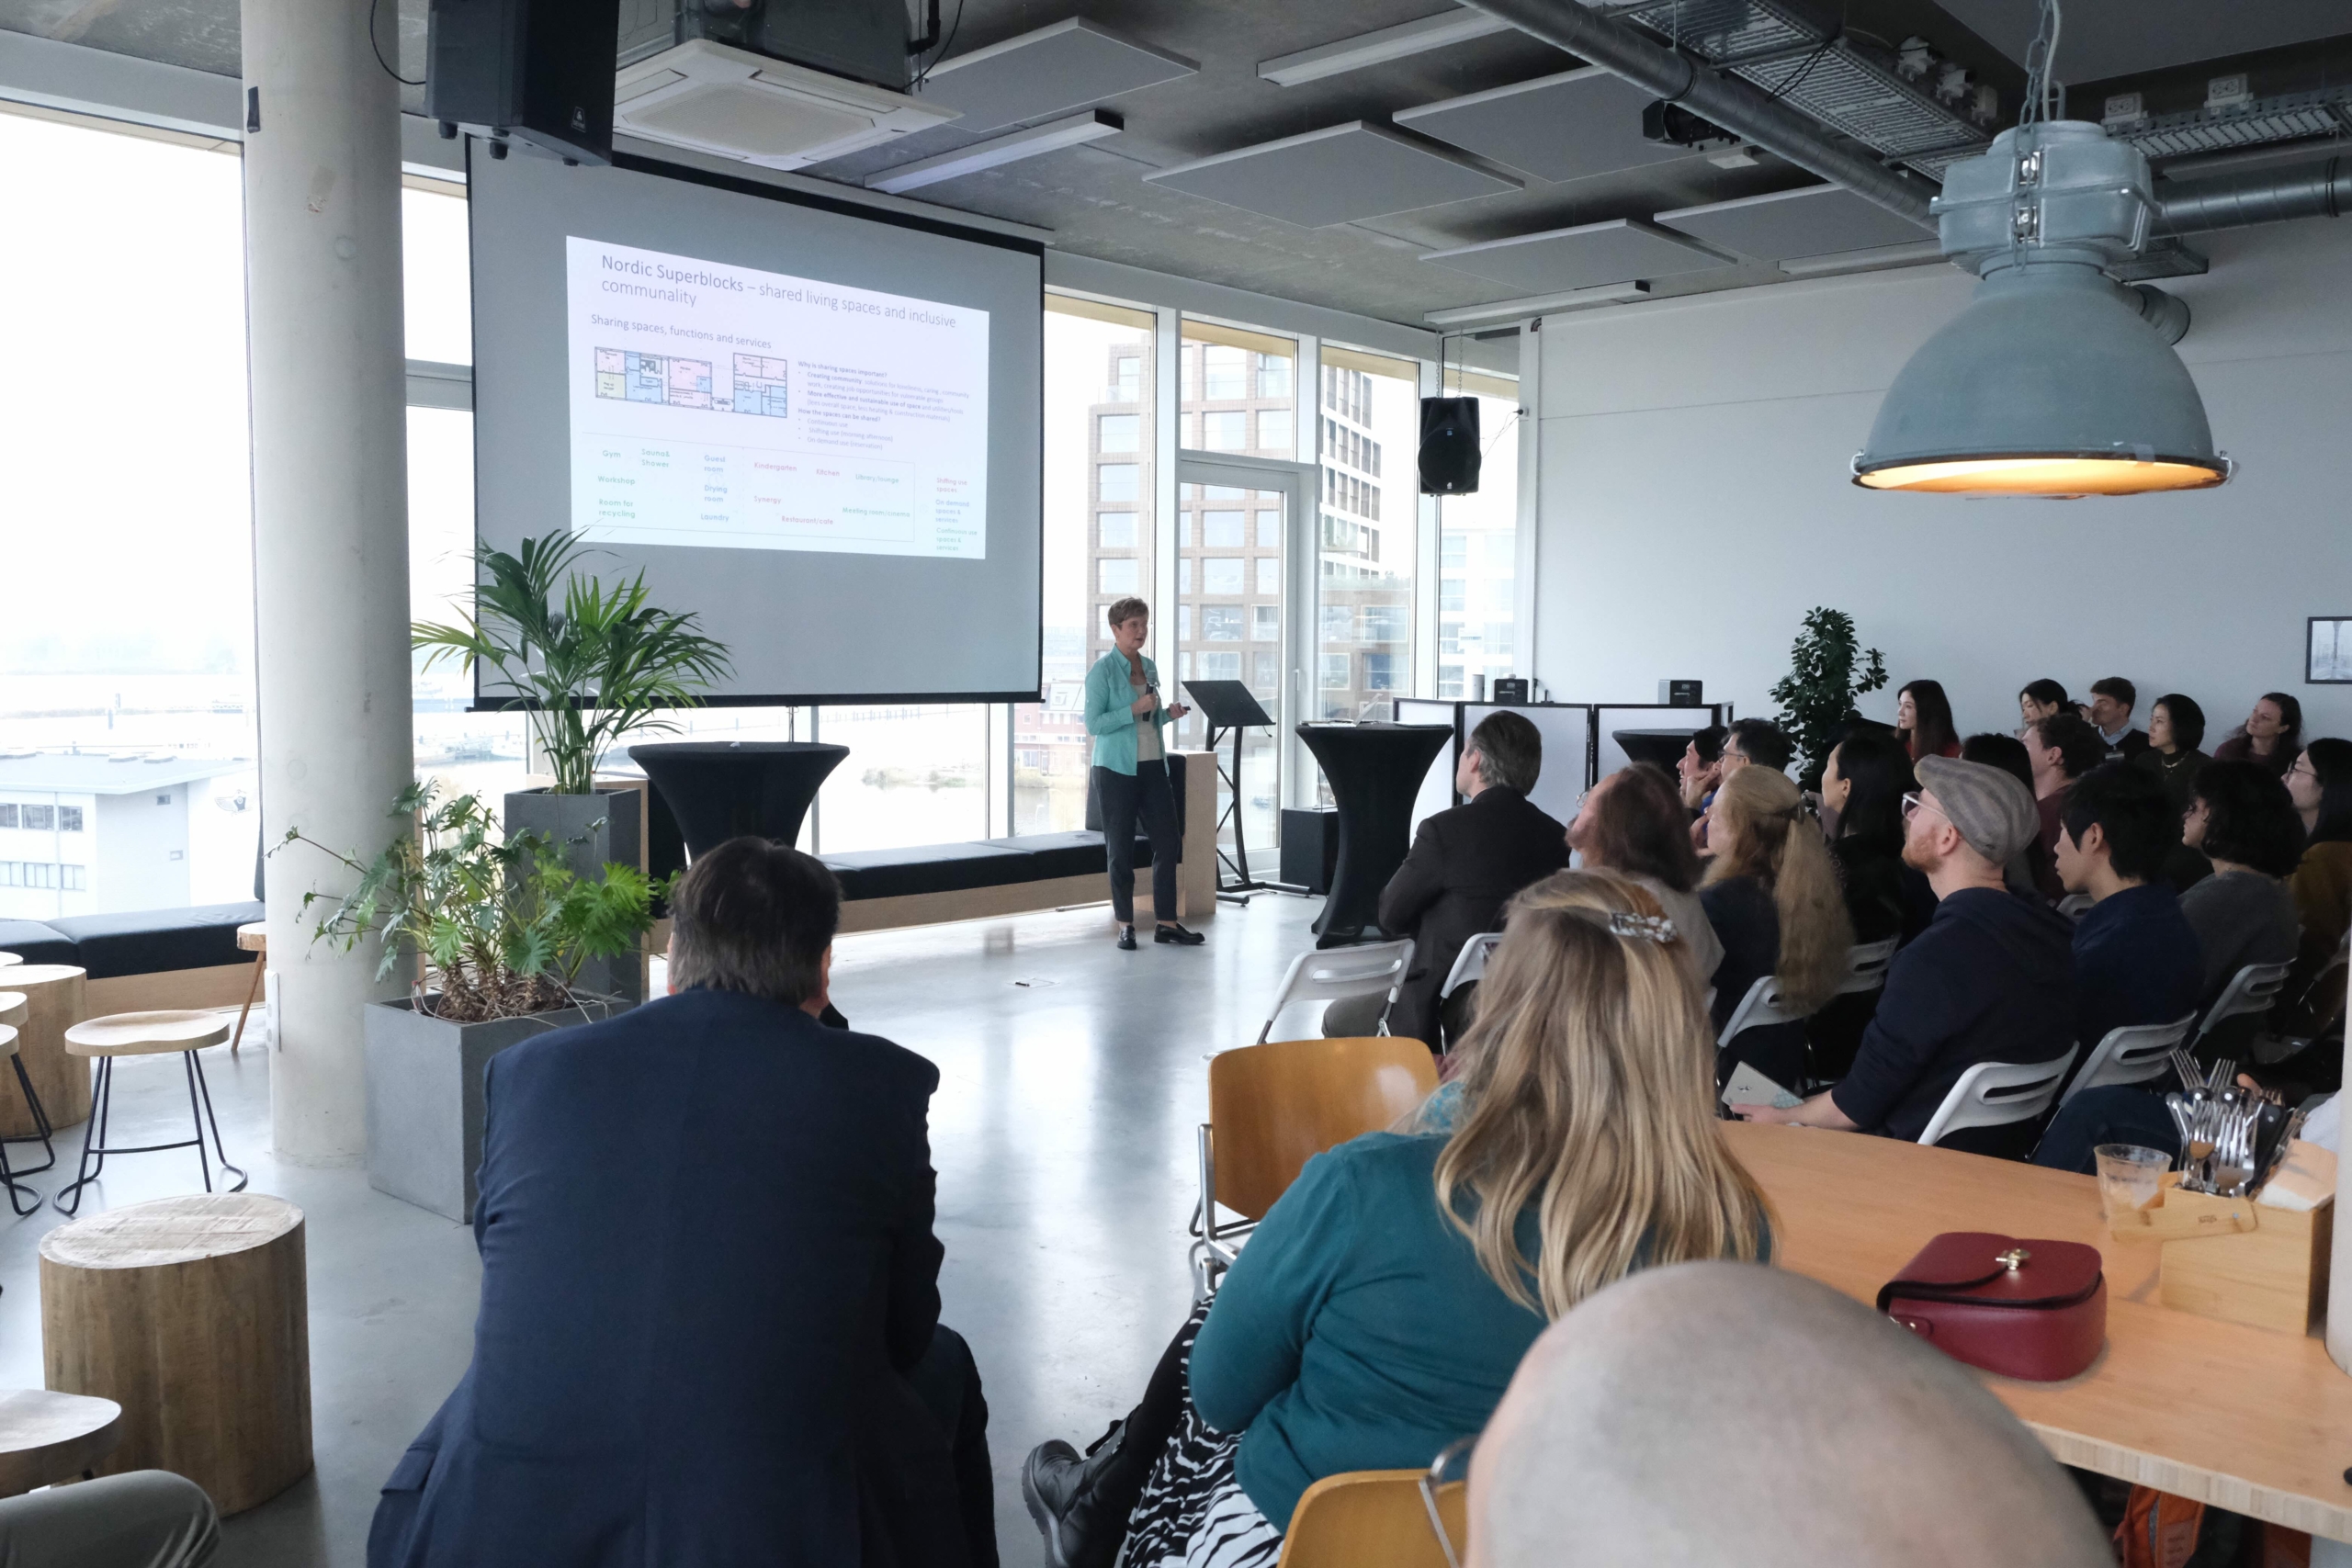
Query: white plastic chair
2074, 905
2251, 989
2132, 1055
1471, 966
1331, 974
1994, 1094
1758, 1009
1866, 964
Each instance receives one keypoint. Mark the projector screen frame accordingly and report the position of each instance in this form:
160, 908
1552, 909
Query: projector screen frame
735, 183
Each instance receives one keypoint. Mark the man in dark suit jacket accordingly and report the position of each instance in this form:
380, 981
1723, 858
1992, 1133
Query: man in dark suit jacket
709, 1330
1464, 865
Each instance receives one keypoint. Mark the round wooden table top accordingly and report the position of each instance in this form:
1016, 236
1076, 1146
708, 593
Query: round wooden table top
171, 1230
9, 958
253, 937
146, 1033
47, 1436
25, 976
14, 1007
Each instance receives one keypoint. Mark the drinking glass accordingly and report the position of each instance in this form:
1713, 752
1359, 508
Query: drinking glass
2130, 1177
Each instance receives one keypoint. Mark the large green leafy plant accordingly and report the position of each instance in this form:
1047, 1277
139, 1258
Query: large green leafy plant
1816, 696
590, 668
503, 925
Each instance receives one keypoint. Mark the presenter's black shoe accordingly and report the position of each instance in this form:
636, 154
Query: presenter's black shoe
1171, 931
1127, 939
1081, 1503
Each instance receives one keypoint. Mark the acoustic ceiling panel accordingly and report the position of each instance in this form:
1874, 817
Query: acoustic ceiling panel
1584, 257
1561, 127
1066, 66
1796, 225
1336, 175
2105, 39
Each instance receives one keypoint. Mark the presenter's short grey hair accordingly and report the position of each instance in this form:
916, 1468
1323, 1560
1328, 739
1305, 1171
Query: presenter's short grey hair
1122, 611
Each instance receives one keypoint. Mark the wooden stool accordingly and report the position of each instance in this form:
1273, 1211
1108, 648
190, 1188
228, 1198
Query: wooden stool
17, 1190
147, 1034
46, 1438
253, 938
54, 1002
193, 1315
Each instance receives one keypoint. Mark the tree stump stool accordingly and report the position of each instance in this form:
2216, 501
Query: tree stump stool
193, 1315
46, 1438
54, 1002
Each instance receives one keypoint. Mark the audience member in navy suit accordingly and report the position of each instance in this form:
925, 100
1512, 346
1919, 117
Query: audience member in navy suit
2136, 958
710, 1329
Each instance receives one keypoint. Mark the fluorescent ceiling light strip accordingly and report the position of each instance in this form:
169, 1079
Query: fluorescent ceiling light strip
1540, 304
997, 151
1457, 26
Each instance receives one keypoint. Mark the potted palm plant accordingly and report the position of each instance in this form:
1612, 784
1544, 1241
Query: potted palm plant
493, 931
586, 665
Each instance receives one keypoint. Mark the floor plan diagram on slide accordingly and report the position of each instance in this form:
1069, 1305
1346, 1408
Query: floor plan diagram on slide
720, 406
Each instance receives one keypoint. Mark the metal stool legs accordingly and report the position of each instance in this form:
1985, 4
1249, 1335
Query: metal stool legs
8, 1174
94, 1150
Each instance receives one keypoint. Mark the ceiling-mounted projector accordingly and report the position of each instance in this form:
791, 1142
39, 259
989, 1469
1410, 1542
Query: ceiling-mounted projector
777, 83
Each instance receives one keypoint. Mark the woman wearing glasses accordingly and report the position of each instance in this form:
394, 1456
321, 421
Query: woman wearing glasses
1381, 1306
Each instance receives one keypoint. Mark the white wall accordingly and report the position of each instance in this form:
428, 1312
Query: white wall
1695, 503
142, 861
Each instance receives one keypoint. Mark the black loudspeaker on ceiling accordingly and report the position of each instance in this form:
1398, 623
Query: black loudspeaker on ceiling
1449, 445
534, 71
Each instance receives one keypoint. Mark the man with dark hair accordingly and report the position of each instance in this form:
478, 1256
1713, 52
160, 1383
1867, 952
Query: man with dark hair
1464, 865
1759, 741
2061, 748
2109, 712
2136, 960
1702, 767
709, 1328
2241, 819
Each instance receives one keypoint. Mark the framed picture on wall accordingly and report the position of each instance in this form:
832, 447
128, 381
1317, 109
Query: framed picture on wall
2327, 655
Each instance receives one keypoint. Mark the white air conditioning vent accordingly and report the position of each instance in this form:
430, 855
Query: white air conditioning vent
739, 105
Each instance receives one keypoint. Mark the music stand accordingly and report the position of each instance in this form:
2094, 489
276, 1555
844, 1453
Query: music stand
1228, 705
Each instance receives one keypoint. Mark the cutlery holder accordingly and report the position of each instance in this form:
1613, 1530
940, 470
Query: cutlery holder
2274, 1275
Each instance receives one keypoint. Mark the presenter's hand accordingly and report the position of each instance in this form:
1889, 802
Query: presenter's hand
1178, 711
1143, 705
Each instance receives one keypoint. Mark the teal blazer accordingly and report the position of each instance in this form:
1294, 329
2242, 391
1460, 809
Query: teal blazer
1109, 698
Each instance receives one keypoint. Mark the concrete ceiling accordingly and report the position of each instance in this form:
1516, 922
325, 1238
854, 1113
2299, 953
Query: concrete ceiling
1094, 197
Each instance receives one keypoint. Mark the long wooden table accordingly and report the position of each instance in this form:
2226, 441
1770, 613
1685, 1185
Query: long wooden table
2254, 1421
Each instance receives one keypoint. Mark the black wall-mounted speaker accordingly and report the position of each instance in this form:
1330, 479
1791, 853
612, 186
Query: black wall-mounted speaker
534, 71
1449, 445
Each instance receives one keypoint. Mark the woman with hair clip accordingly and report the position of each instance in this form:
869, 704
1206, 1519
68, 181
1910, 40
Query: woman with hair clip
1772, 895
1923, 718
1633, 823
1384, 1301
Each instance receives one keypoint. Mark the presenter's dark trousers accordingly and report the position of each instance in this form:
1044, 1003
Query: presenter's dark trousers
1126, 796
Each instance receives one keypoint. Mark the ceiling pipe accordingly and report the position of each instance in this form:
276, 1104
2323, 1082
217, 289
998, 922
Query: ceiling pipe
2257, 196
1744, 111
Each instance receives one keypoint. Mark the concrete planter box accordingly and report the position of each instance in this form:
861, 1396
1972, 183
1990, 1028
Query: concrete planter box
563, 819
425, 1096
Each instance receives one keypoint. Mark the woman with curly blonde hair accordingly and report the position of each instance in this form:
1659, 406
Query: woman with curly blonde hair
1772, 895
1380, 1308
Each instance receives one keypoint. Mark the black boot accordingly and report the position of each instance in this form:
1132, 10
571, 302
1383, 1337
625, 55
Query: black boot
1127, 939
1170, 930
1081, 1503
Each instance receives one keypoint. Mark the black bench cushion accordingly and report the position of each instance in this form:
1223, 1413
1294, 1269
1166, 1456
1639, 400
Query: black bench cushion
36, 943
1065, 855
929, 868
149, 942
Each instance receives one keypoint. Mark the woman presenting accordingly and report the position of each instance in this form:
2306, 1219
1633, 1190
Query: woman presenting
1124, 714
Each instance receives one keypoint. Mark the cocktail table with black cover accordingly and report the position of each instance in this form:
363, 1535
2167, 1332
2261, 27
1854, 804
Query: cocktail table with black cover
1376, 772
718, 790
1663, 747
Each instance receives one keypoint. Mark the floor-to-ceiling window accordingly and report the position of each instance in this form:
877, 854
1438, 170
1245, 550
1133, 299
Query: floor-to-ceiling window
1369, 409
1479, 548
126, 736
1100, 538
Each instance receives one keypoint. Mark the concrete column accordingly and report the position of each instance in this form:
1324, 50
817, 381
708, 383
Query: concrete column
322, 291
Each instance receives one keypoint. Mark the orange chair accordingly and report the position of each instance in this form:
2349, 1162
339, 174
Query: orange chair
1377, 1518
1274, 1106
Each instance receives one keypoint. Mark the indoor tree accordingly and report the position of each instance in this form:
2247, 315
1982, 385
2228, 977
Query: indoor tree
1816, 696
588, 669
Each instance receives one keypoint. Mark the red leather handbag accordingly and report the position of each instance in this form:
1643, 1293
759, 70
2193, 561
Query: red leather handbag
2024, 1309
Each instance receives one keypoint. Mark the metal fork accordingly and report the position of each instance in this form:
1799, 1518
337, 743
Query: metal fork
2185, 1066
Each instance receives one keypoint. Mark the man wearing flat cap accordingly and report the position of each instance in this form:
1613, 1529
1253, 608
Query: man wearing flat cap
1991, 979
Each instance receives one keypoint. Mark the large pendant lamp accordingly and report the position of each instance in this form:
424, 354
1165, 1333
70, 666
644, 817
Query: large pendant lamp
2052, 382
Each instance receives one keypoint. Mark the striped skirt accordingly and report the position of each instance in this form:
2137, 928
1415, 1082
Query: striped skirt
1192, 1513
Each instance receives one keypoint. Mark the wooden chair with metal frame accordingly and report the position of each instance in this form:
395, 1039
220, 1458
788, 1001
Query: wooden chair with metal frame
1274, 1106
1377, 1518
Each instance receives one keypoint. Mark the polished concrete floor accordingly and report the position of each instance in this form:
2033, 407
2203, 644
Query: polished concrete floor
1072, 1080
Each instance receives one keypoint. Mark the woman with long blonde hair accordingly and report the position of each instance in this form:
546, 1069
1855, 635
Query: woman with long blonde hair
1385, 1299
1773, 896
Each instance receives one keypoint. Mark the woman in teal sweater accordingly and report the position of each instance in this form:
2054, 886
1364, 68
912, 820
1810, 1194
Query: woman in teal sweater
1378, 1311
1124, 714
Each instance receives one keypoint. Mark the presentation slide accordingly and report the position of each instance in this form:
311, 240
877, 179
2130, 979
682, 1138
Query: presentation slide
720, 406
816, 426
